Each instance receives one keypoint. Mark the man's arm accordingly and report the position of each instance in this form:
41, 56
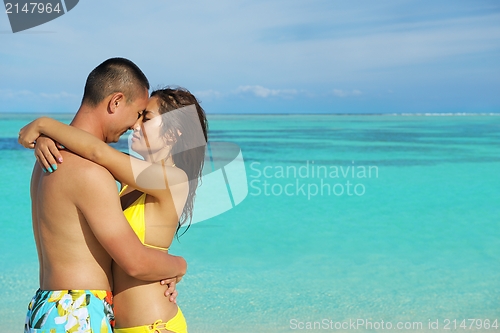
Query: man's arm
97, 198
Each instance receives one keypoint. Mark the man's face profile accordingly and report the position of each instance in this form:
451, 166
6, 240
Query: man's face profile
127, 115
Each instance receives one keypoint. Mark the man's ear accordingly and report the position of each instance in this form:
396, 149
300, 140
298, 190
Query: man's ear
115, 102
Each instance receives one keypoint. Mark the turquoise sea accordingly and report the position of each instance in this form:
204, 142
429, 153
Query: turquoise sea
371, 220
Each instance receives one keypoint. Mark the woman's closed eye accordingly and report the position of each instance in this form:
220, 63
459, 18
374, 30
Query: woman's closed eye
146, 116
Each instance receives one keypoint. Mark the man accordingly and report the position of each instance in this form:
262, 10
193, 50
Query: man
78, 223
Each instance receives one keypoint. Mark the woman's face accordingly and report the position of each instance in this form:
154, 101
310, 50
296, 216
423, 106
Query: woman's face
147, 139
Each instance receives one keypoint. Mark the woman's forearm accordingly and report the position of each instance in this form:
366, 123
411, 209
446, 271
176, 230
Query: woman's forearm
75, 139
148, 177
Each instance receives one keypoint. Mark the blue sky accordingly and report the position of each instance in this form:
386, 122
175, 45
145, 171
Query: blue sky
268, 56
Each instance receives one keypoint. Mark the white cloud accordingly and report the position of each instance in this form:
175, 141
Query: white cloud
61, 95
345, 93
11, 94
263, 92
208, 93
26, 94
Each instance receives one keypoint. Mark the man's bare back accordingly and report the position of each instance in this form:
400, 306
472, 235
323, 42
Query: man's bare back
62, 233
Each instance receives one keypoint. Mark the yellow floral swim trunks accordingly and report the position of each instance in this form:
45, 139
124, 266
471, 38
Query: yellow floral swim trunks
68, 311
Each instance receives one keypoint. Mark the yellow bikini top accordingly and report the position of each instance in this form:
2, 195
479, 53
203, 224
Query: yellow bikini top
135, 217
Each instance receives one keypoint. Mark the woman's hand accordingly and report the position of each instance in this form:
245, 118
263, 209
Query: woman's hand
47, 152
171, 292
29, 133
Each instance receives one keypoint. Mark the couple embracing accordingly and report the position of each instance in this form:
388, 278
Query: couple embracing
102, 253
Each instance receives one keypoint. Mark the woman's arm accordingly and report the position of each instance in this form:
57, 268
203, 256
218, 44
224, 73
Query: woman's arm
150, 178
47, 153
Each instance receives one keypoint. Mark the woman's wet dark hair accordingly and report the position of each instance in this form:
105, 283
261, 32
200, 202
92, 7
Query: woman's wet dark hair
190, 160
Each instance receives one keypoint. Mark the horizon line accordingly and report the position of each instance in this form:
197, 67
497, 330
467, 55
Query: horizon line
304, 114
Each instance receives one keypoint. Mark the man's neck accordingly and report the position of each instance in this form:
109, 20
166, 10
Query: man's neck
88, 119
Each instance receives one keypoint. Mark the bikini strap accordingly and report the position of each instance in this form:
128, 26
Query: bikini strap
156, 247
123, 188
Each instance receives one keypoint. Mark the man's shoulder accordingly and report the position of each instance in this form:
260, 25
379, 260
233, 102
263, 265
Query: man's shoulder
85, 170
86, 181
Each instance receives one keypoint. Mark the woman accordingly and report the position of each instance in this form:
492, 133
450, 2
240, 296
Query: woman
157, 193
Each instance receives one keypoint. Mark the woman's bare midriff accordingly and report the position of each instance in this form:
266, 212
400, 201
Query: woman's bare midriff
137, 302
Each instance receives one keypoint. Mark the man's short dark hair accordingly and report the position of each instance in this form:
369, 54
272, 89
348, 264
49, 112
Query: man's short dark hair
112, 76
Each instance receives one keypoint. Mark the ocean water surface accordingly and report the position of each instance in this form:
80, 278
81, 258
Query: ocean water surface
392, 219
